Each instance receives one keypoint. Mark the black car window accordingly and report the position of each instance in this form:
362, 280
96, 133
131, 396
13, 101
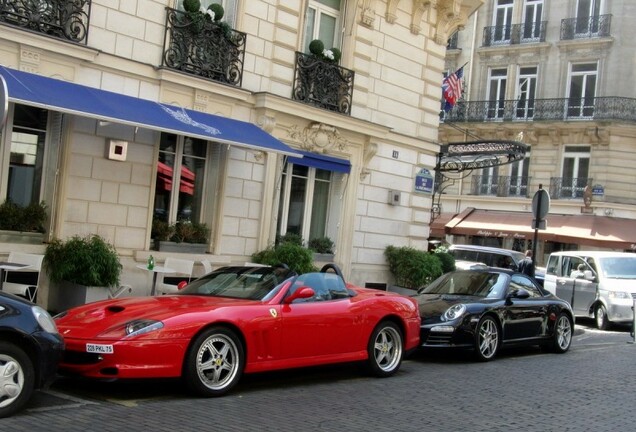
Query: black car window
522, 281
472, 283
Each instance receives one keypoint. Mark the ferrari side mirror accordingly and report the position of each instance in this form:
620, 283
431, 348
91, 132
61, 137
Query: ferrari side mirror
302, 292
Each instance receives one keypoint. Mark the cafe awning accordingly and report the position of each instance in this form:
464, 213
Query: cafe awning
315, 160
588, 230
49, 93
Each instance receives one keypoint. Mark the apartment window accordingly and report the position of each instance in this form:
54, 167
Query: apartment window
489, 181
181, 176
532, 15
526, 91
583, 79
322, 21
502, 21
587, 17
496, 93
229, 8
519, 177
310, 202
576, 169
25, 145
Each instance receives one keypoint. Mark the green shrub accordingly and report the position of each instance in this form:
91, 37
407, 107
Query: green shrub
298, 258
24, 219
190, 232
316, 47
412, 268
218, 11
322, 245
88, 261
191, 5
290, 238
446, 259
337, 54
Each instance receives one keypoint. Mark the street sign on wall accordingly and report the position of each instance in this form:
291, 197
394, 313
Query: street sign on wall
424, 181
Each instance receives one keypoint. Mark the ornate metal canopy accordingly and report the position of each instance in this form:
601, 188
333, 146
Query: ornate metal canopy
458, 160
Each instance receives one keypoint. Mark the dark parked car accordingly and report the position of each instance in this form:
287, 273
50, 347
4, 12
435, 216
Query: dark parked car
30, 349
487, 309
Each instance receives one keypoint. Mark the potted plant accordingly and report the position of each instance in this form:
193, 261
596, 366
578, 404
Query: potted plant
322, 248
411, 268
295, 256
183, 236
82, 269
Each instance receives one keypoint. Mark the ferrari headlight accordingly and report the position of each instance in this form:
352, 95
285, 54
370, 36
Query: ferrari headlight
44, 319
454, 312
139, 327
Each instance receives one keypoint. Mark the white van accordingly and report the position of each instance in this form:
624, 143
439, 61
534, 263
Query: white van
605, 289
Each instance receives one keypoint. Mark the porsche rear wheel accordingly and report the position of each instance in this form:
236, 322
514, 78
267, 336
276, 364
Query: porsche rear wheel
487, 339
385, 349
562, 337
17, 378
215, 362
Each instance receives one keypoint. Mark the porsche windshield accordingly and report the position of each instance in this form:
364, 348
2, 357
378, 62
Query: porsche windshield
252, 283
479, 284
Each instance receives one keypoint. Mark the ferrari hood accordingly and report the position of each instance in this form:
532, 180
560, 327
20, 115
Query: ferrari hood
93, 319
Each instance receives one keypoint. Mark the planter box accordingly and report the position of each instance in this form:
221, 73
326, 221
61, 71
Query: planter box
401, 290
21, 237
193, 248
66, 295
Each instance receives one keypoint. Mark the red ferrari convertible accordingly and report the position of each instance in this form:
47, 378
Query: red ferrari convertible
239, 320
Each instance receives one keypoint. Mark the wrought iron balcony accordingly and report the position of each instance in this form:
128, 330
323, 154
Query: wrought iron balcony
62, 19
568, 187
502, 186
529, 32
197, 45
564, 109
586, 27
323, 84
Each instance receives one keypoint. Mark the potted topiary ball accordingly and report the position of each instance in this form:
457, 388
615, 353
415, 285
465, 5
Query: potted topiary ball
218, 11
337, 54
316, 47
191, 5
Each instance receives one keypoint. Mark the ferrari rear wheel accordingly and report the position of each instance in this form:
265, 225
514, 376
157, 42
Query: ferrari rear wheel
215, 362
385, 349
17, 378
486, 339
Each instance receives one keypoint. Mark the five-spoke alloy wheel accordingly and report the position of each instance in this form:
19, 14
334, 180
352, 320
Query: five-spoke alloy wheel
385, 349
486, 339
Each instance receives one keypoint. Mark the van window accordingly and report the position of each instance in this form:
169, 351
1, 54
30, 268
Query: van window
553, 265
465, 255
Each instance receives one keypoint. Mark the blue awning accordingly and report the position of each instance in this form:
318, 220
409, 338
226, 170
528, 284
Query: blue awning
315, 160
36, 90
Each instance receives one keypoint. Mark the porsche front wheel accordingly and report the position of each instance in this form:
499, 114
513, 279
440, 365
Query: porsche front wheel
215, 362
385, 349
17, 378
486, 339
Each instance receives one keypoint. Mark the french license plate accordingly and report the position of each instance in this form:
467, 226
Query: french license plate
99, 349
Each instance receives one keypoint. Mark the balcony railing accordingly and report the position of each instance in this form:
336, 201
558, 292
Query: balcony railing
586, 27
323, 84
568, 187
503, 186
62, 19
529, 32
199, 46
599, 108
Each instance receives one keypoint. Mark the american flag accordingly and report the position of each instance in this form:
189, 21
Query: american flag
452, 88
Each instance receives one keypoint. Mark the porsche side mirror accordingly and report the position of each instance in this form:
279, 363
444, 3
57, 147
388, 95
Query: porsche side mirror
302, 292
519, 293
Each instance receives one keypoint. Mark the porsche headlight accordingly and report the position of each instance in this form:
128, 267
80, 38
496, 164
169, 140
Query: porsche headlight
454, 312
139, 327
44, 319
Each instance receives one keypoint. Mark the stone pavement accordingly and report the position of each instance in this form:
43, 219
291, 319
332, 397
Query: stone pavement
592, 387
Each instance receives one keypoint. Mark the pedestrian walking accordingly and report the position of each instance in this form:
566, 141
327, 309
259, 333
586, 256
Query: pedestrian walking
526, 265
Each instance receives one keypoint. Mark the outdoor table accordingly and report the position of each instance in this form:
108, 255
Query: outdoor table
10, 267
155, 270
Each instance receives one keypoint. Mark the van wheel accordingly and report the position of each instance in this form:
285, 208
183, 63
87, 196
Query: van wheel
600, 315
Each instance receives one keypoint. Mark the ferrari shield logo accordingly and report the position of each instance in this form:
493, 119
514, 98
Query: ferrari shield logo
273, 312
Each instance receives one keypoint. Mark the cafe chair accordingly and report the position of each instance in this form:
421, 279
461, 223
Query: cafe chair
114, 292
24, 282
170, 281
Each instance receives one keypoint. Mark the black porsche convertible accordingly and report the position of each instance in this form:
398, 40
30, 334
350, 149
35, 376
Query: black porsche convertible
487, 309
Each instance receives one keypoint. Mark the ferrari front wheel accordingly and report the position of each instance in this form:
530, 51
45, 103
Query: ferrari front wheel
215, 362
385, 349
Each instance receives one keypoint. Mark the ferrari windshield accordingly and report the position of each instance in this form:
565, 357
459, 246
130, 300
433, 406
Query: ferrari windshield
252, 283
471, 283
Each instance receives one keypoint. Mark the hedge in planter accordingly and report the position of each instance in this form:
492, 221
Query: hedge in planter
412, 268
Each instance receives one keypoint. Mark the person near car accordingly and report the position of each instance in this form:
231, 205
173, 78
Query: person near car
579, 272
526, 265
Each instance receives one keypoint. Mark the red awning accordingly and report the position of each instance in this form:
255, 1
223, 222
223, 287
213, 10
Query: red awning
164, 179
589, 230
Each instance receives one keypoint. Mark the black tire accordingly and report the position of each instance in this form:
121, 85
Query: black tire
600, 317
562, 337
17, 378
385, 349
214, 363
487, 339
